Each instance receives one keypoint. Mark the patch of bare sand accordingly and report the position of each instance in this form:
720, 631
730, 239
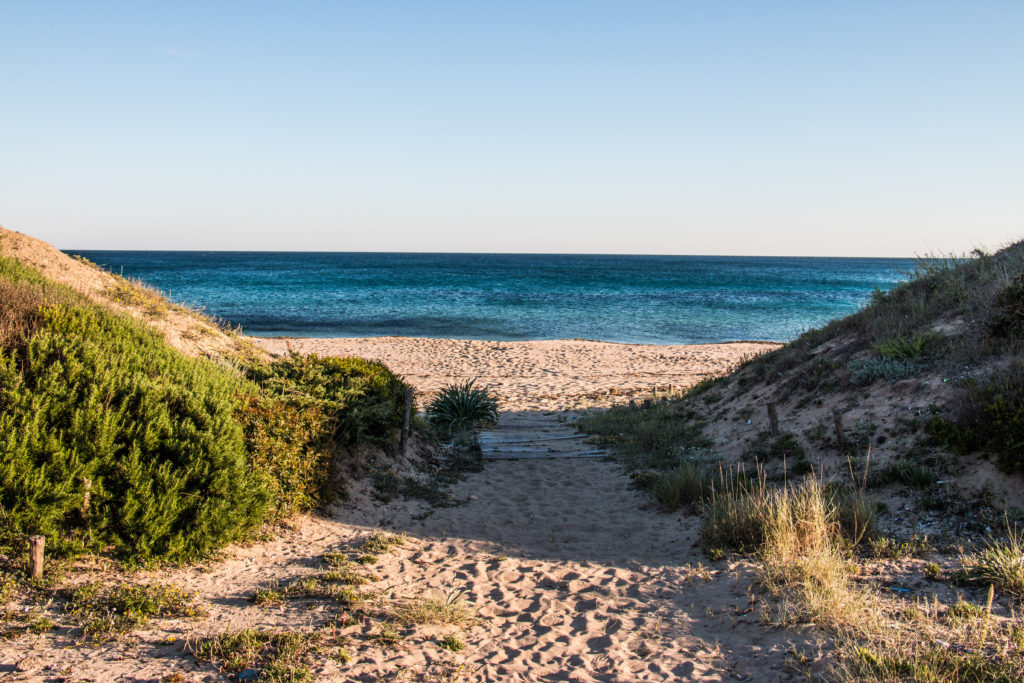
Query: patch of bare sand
557, 374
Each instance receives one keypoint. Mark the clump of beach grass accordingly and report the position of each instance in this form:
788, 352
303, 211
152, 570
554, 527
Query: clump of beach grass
999, 563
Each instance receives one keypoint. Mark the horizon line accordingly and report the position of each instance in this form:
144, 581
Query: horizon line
508, 253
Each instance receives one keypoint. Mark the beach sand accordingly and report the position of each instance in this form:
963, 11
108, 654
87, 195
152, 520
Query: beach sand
558, 374
572, 574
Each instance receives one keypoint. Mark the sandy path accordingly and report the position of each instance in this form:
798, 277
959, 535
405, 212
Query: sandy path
571, 577
534, 375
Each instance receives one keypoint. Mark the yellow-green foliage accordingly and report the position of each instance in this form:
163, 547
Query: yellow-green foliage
363, 398
180, 455
291, 444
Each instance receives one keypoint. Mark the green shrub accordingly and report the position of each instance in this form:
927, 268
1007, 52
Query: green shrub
990, 417
459, 407
743, 514
999, 563
180, 455
784, 445
904, 348
365, 400
95, 396
291, 444
905, 472
1008, 310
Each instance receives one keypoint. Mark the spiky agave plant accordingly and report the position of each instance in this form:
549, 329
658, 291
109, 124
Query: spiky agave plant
462, 406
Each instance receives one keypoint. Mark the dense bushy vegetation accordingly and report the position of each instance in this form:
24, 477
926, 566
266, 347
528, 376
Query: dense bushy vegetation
112, 441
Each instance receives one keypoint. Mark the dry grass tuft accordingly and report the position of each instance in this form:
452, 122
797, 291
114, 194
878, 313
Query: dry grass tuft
19, 312
439, 608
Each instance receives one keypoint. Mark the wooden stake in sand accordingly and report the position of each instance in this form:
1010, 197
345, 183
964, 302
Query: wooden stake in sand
773, 419
405, 422
837, 420
87, 497
35, 557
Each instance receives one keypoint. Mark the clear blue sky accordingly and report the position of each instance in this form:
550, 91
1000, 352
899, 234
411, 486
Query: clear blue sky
718, 127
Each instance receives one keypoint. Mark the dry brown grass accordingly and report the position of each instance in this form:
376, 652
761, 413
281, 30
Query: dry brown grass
19, 311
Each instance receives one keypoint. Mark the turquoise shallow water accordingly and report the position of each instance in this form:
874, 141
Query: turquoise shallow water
641, 299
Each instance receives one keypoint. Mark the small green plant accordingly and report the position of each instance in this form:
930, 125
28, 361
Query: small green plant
452, 643
380, 543
691, 481
784, 445
267, 597
459, 407
387, 635
906, 472
932, 571
965, 611
106, 614
716, 554
915, 347
895, 549
282, 656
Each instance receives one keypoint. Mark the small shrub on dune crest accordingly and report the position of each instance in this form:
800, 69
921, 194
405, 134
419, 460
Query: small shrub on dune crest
459, 407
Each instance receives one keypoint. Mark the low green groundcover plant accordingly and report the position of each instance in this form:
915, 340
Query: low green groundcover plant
176, 455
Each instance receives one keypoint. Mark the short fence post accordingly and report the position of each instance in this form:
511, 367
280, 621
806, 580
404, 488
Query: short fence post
35, 558
405, 422
87, 497
837, 420
773, 419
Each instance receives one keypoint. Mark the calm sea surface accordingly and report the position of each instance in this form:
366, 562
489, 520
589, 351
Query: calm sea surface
649, 299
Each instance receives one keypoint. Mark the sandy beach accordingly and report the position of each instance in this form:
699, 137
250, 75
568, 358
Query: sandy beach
561, 374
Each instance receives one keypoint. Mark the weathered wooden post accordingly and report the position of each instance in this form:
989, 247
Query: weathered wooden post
404, 443
773, 419
837, 420
35, 557
86, 498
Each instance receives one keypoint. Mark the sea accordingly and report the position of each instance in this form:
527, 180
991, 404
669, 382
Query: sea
629, 299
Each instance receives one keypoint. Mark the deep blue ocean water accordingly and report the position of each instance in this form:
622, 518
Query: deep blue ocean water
645, 299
